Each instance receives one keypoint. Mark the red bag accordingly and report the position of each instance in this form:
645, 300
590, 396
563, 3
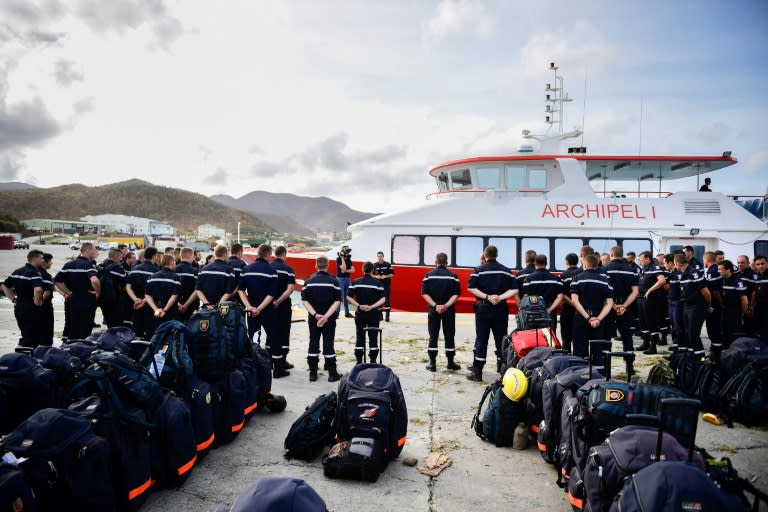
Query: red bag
525, 341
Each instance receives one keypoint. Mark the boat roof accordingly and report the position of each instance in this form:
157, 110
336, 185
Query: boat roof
619, 168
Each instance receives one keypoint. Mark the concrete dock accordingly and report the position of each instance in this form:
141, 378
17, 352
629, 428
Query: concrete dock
440, 407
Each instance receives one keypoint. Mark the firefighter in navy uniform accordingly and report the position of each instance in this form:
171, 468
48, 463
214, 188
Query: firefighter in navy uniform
651, 302
492, 284
367, 293
696, 300
441, 288
592, 297
46, 326
258, 289
135, 286
187, 273
750, 278
529, 268
760, 299
735, 302
321, 296
78, 282
285, 281
675, 308
691, 258
715, 285
566, 309
216, 281
624, 280
24, 287
382, 270
162, 292
237, 263
112, 288
544, 284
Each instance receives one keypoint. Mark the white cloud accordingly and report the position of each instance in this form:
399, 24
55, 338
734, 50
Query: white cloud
468, 17
756, 163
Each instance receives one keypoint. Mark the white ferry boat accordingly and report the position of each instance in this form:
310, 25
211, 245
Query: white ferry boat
553, 202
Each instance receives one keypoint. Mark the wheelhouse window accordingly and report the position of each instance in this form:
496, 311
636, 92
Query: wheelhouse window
434, 245
537, 179
442, 182
468, 251
515, 175
488, 178
507, 250
461, 180
405, 250
761, 248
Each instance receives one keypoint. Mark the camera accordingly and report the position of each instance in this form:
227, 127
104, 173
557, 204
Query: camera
345, 252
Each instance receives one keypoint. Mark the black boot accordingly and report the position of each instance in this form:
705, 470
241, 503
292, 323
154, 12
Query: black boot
663, 340
287, 365
280, 371
477, 373
312, 361
471, 366
451, 365
359, 358
652, 345
386, 316
432, 366
373, 356
646, 344
333, 374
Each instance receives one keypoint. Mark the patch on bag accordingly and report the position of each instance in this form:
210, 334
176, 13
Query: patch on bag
691, 505
224, 309
613, 395
204, 325
533, 299
208, 398
27, 443
369, 413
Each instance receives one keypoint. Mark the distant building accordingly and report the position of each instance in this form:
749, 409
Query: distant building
324, 237
208, 231
131, 225
67, 227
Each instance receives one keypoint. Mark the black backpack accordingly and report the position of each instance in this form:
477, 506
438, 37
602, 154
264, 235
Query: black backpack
229, 401
66, 464
117, 374
27, 386
741, 352
235, 327
532, 313
15, 491
372, 405
313, 430
709, 382
673, 486
500, 418
167, 358
67, 370
174, 452
199, 399
744, 398
209, 345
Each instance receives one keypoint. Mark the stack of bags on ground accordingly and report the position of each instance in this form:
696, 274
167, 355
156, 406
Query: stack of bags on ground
367, 420
615, 445
732, 385
97, 424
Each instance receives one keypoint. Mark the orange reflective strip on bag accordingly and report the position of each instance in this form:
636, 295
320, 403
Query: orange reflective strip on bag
401, 441
535, 429
135, 493
542, 446
186, 467
576, 502
205, 444
238, 427
250, 408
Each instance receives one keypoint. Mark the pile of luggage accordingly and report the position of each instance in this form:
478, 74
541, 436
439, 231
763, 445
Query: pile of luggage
367, 420
606, 437
97, 424
732, 385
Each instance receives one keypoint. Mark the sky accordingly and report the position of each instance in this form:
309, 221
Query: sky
356, 100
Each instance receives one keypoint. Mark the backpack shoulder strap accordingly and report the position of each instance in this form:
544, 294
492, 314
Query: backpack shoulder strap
477, 423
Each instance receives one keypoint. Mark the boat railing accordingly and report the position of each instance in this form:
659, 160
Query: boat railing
475, 190
625, 194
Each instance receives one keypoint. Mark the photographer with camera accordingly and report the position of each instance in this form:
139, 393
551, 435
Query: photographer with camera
344, 270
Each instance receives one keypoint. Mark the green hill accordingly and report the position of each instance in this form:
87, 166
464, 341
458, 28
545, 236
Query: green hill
182, 209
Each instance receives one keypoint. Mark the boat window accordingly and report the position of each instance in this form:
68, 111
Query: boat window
636, 246
537, 179
563, 246
442, 182
515, 177
698, 250
601, 245
507, 250
761, 248
405, 250
488, 178
468, 251
461, 180
540, 245
434, 245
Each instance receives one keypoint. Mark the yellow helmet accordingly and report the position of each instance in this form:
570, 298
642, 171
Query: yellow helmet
514, 384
